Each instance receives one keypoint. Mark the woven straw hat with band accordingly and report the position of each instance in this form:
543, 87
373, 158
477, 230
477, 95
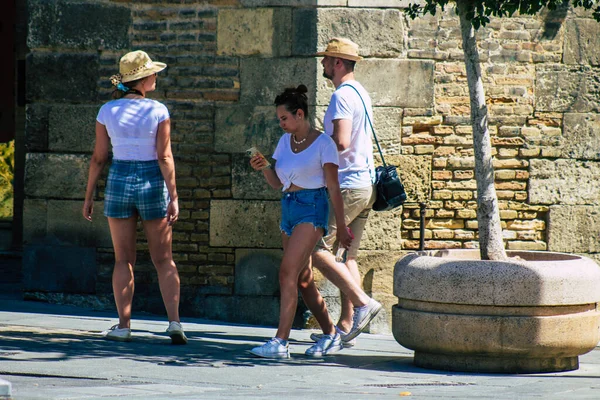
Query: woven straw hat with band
136, 65
341, 48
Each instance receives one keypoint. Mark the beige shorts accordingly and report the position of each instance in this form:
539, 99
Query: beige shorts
357, 205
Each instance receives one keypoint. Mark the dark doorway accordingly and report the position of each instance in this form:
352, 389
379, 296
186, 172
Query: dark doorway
13, 21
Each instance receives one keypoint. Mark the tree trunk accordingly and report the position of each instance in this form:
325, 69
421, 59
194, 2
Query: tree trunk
488, 215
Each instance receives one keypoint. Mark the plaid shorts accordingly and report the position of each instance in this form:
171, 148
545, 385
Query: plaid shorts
135, 187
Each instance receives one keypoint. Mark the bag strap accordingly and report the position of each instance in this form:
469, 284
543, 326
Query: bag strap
368, 119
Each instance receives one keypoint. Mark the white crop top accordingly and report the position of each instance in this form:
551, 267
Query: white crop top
132, 125
304, 169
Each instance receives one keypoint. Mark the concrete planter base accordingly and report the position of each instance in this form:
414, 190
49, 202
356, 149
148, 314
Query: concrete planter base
459, 313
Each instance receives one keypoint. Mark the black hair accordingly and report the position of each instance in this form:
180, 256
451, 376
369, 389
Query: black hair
117, 93
294, 99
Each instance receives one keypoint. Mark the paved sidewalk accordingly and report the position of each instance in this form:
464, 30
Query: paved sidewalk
55, 352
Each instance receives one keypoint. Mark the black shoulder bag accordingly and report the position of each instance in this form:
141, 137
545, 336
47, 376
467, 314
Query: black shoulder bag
390, 190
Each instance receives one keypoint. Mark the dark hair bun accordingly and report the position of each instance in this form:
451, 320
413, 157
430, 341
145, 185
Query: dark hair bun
302, 89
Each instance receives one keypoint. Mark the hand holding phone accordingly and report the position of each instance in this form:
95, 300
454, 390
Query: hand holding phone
257, 160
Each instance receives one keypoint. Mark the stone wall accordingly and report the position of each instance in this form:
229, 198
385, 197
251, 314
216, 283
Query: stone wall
227, 61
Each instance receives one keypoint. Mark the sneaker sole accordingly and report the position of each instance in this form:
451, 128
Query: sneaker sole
178, 338
326, 352
274, 357
363, 324
349, 343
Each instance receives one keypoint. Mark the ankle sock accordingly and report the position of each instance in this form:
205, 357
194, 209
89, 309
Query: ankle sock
281, 341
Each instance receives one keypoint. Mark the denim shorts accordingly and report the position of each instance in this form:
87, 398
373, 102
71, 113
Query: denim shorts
304, 206
135, 187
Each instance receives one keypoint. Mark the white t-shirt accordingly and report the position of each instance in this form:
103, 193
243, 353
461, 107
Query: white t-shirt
132, 125
356, 162
304, 169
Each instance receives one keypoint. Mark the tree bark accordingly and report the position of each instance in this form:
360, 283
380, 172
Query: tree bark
491, 245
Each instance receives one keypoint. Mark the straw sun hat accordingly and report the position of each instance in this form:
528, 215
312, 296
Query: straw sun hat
341, 48
136, 65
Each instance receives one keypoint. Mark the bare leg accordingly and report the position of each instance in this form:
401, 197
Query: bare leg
314, 301
341, 277
123, 233
297, 250
159, 235
345, 321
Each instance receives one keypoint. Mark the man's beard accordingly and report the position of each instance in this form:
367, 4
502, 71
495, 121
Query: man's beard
326, 75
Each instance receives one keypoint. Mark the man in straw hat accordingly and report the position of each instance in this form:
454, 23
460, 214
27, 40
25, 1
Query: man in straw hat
345, 121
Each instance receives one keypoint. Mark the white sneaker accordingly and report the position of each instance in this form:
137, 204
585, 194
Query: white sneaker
362, 316
175, 331
117, 334
315, 337
328, 344
272, 349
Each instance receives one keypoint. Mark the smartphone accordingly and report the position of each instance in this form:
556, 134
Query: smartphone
252, 151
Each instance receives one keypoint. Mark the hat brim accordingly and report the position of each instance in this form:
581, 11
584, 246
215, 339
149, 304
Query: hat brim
339, 55
156, 67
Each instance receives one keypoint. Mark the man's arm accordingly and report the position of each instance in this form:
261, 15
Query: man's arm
342, 133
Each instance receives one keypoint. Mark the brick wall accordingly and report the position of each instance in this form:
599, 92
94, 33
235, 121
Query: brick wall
227, 61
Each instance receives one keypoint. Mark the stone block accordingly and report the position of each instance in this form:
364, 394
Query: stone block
246, 183
60, 223
262, 31
56, 175
387, 122
262, 80
383, 231
581, 136
258, 310
51, 268
62, 77
561, 88
74, 29
393, 83
36, 127
574, 229
243, 223
66, 225
378, 33
560, 182
257, 272
291, 3
377, 271
382, 3
238, 128
72, 128
415, 172
35, 219
582, 42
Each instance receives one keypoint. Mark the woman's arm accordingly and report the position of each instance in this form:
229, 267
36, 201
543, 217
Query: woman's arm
333, 187
259, 164
97, 163
167, 167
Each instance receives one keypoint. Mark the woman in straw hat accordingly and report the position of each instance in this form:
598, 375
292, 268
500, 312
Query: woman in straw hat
141, 181
306, 170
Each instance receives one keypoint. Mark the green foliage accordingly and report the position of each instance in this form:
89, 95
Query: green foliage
480, 11
7, 172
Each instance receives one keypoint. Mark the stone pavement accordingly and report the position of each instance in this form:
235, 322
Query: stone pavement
55, 352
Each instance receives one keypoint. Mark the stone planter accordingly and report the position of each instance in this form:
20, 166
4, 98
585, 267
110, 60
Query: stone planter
459, 313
